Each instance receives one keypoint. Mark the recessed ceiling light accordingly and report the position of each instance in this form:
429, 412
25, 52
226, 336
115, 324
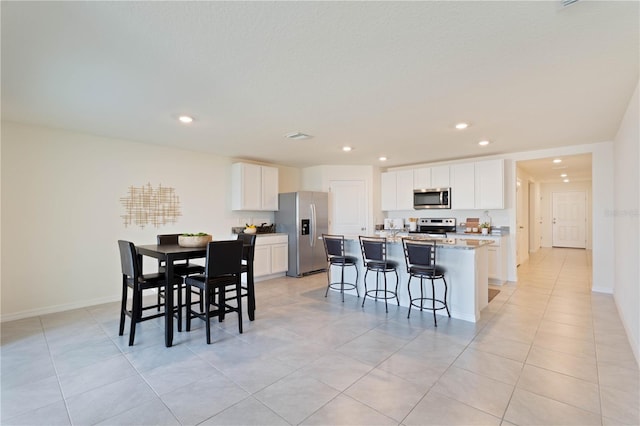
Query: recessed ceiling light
557, 160
563, 175
462, 126
346, 148
382, 158
298, 136
484, 143
566, 181
185, 119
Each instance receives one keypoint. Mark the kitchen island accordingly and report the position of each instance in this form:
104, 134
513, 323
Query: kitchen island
466, 264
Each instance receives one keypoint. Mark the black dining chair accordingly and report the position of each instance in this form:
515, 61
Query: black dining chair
223, 269
420, 258
248, 255
374, 257
184, 269
133, 278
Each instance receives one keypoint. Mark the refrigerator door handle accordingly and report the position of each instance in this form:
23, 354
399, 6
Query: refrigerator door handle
312, 241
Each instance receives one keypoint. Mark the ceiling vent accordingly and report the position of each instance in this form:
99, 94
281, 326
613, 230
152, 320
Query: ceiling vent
298, 136
567, 3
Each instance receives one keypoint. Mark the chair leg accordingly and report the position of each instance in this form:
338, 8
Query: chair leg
179, 307
385, 292
433, 302
328, 279
356, 283
251, 296
445, 296
188, 310
207, 310
364, 296
239, 299
135, 313
397, 282
123, 307
410, 300
342, 281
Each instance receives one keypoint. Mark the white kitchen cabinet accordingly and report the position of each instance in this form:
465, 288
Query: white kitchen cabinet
396, 190
440, 177
478, 185
431, 177
489, 177
254, 187
271, 255
497, 256
463, 191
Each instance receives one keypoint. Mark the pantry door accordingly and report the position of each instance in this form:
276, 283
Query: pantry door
569, 219
348, 207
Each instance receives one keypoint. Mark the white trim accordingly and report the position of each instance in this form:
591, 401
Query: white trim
605, 290
57, 308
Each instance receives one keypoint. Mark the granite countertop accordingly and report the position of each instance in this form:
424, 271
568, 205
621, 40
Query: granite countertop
455, 243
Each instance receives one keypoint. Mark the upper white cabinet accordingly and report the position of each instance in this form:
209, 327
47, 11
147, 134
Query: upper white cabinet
489, 184
463, 193
254, 187
396, 190
431, 177
478, 185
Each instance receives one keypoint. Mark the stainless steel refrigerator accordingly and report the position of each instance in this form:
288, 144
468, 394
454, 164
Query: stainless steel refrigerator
304, 216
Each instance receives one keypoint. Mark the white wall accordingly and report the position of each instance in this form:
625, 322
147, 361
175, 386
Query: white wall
626, 222
61, 211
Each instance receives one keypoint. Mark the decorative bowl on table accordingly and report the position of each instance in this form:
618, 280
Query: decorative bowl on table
250, 229
194, 240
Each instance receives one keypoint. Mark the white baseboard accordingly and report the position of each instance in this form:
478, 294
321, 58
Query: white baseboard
56, 308
606, 290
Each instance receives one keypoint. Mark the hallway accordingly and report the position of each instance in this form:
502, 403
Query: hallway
546, 352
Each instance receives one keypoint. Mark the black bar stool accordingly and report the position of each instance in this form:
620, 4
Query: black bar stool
334, 249
420, 257
374, 256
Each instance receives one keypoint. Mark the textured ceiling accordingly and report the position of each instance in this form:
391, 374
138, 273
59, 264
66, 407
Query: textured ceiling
387, 78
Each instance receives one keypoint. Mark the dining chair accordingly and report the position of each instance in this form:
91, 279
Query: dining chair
133, 278
248, 255
184, 269
223, 268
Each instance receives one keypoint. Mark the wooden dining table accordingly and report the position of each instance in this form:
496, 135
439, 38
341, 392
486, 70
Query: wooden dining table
169, 253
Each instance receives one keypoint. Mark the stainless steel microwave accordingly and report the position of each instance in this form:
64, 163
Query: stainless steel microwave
433, 198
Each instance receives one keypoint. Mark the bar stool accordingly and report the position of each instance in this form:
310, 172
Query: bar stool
334, 249
420, 257
374, 256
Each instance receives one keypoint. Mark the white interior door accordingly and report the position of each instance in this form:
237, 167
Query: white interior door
348, 207
569, 219
522, 222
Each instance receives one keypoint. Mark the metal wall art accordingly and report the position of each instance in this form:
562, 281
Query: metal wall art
146, 205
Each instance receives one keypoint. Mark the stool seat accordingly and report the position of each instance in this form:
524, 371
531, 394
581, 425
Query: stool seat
334, 250
346, 260
374, 257
427, 271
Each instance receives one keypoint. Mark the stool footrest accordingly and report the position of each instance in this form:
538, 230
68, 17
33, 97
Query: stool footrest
341, 286
386, 294
418, 302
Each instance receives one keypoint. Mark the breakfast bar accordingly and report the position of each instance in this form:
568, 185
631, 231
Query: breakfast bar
466, 264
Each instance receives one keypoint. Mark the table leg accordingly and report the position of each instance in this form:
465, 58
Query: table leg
168, 307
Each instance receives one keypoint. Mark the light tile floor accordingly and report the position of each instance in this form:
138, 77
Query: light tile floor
546, 352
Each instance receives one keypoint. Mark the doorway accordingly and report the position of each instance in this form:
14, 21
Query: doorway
569, 219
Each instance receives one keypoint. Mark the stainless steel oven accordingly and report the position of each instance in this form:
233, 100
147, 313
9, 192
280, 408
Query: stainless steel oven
434, 198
